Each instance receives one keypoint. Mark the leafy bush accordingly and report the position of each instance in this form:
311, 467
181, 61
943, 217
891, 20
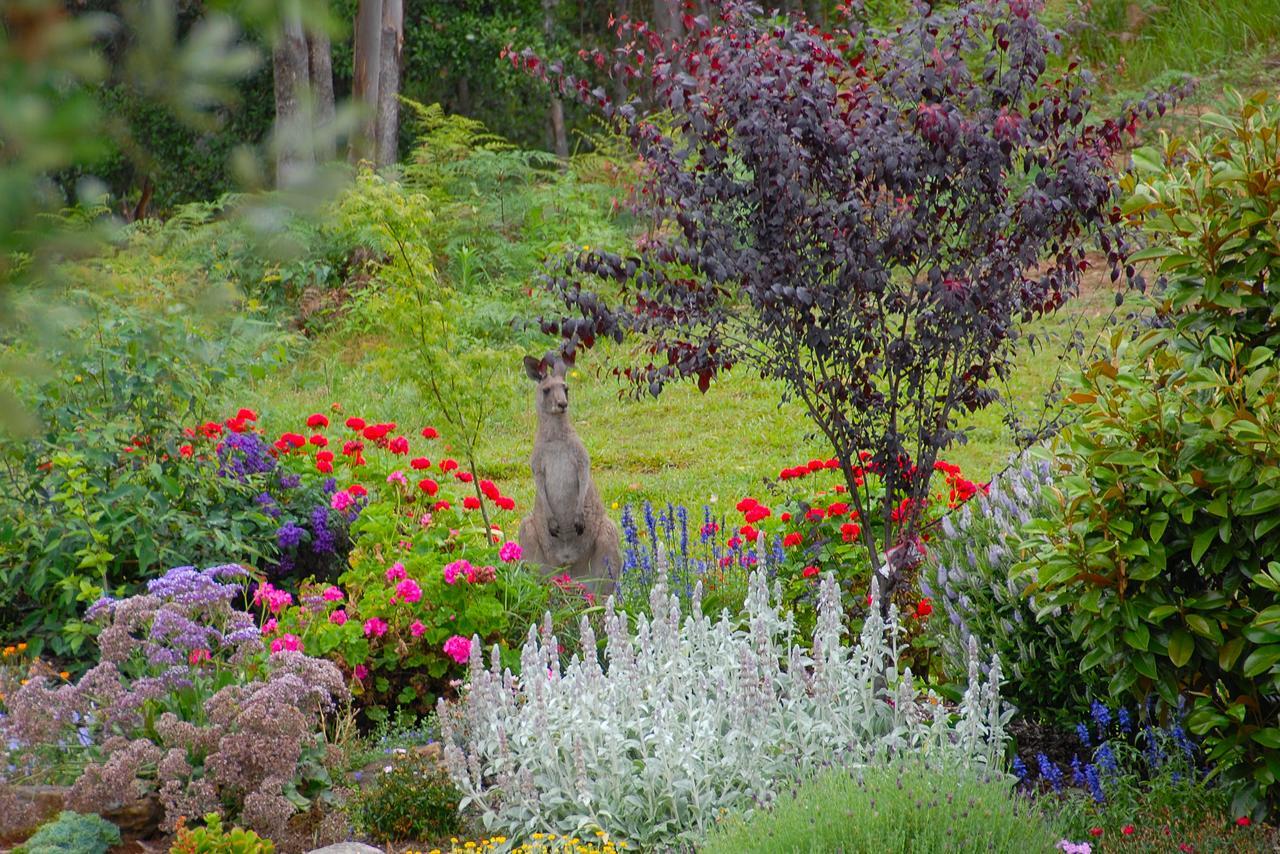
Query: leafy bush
105, 462
970, 576
1166, 549
412, 798
72, 833
213, 839
187, 705
876, 248
901, 807
692, 719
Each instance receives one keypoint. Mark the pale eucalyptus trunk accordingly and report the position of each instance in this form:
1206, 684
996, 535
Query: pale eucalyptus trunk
295, 156
388, 120
364, 79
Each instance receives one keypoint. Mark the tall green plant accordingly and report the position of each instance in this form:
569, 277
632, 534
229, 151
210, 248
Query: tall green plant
1166, 546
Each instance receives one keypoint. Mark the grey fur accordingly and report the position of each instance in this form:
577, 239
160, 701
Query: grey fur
568, 527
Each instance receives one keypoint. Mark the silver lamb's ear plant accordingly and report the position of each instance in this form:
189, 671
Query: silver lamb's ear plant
692, 718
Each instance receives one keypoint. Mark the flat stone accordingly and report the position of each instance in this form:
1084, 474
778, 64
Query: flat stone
347, 848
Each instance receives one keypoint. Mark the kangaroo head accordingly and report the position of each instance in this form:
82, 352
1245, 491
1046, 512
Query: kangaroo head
552, 396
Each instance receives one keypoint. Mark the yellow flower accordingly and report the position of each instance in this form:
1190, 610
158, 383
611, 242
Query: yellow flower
615, 505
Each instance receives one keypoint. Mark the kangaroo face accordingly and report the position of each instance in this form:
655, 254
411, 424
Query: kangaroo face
552, 396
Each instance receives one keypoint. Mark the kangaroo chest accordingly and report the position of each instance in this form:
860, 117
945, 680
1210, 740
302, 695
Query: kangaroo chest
562, 468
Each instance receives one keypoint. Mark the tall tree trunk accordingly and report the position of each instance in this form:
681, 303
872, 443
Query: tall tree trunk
464, 95
388, 121
295, 156
320, 57
559, 139
668, 18
364, 79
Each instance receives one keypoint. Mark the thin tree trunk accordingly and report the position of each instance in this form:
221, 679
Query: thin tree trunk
388, 123
364, 78
559, 139
464, 95
294, 154
320, 57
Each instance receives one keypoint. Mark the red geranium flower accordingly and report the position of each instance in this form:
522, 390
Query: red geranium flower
236, 425
786, 517
746, 504
297, 440
814, 514
448, 465
471, 503
186, 450
1095, 831
440, 505
734, 542
809, 571
420, 463
355, 423
817, 465
211, 429
748, 533
429, 486
352, 448
247, 415
838, 509
318, 420
755, 514
489, 490
832, 463
795, 538
924, 608
357, 490
399, 445
1244, 821
318, 440
430, 433
505, 503
189, 432
324, 466
324, 456
849, 532
464, 476
1127, 830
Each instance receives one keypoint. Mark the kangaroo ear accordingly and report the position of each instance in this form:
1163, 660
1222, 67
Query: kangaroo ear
559, 368
533, 368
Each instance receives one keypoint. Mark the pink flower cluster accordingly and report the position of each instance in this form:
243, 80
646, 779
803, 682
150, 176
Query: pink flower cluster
286, 642
472, 574
407, 591
510, 552
458, 648
274, 598
375, 627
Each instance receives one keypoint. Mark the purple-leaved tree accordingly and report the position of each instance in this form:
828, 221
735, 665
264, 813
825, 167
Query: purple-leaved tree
870, 218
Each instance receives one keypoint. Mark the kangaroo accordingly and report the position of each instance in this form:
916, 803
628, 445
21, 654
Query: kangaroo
568, 527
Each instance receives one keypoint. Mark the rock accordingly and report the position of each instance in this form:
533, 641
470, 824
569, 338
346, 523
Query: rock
347, 848
28, 807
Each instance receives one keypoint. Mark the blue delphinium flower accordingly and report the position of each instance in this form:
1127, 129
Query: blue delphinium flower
1020, 769
1082, 733
1077, 772
1107, 761
324, 541
1050, 772
1101, 716
1126, 720
1180, 738
1094, 784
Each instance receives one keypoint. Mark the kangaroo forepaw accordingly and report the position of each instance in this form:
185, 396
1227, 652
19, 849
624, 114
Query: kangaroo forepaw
579, 524
553, 529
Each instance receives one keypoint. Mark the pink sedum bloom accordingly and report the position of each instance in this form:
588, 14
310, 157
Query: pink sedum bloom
458, 648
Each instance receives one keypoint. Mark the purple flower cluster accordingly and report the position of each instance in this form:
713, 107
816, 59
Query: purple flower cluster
289, 535
324, 540
241, 455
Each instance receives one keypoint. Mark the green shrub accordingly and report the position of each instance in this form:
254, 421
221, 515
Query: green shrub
1166, 547
411, 798
903, 807
72, 833
212, 839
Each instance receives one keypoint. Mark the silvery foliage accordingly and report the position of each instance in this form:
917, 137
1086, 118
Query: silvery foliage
692, 719
973, 578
